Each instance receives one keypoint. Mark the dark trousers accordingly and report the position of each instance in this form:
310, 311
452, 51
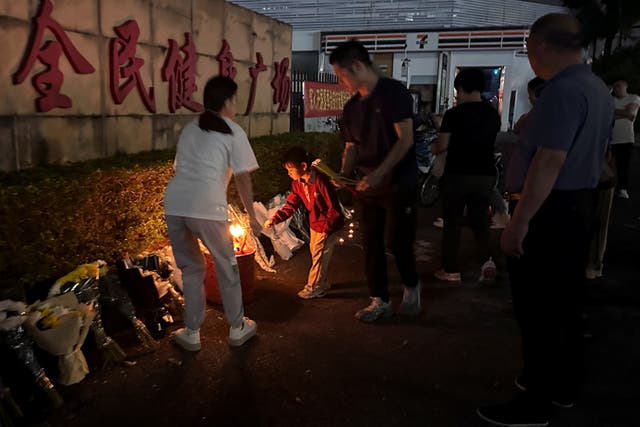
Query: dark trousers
622, 155
395, 215
547, 285
474, 192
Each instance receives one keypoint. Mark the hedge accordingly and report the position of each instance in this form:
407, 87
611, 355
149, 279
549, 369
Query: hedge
54, 218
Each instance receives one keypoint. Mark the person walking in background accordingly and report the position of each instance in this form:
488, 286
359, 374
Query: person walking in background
379, 151
547, 240
319, 196
195, 204
517, 167
623, 134
467, 134
534, 87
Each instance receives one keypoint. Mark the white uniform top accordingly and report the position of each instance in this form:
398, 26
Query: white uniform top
623, 128
203, 165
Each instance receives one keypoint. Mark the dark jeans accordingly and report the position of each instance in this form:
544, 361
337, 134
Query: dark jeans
547, 285
474, 192
397, 214
622, 155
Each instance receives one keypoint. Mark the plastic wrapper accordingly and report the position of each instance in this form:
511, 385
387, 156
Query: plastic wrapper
284, 240
64, 338
21, 344
84, 283
113, 294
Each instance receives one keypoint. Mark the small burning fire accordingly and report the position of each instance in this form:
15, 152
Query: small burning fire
239, 237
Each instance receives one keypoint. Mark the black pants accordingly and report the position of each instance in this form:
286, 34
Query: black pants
474, 192
622, 156
547, 284
394, 215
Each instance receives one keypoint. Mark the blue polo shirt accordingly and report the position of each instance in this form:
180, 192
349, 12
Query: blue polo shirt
574, 113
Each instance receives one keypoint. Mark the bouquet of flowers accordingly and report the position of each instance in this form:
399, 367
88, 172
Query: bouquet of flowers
59, 325
113, 294
12, 318
83, 281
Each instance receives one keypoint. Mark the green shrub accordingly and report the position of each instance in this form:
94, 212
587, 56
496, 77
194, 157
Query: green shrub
57, 217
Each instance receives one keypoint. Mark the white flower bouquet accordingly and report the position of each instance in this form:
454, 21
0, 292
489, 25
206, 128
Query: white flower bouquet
59, 325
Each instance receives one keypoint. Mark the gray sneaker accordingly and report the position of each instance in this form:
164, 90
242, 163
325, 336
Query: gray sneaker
375, 310
309, 293
411, 305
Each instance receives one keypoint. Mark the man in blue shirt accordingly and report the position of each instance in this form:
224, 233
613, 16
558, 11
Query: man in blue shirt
547, 240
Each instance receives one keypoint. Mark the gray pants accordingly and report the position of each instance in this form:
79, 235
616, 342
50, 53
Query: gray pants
184, 234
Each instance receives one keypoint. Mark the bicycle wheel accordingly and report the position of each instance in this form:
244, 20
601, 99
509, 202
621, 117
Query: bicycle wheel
429, 190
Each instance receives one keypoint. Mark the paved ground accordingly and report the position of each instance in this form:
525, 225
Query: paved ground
313, 364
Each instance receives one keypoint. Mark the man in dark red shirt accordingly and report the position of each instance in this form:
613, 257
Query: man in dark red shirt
319, 196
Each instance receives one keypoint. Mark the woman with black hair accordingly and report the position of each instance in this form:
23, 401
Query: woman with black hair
195, 203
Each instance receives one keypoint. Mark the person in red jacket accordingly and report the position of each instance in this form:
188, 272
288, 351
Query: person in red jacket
319, 196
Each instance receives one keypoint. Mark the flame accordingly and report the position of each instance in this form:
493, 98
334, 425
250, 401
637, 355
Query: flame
236, 230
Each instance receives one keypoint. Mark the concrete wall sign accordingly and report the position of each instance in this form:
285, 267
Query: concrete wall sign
125, 75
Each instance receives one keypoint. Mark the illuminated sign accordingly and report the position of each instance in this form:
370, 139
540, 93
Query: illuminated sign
324, 99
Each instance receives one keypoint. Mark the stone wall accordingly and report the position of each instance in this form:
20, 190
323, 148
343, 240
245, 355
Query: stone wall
94, 125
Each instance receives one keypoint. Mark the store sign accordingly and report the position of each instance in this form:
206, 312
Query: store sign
324, 99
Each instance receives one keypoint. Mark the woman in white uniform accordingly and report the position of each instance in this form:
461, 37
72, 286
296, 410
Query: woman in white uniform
195, 206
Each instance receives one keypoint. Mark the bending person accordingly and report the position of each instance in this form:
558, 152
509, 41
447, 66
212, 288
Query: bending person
195, 206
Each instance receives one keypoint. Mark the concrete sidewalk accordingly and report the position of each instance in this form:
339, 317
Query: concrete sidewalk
313, 364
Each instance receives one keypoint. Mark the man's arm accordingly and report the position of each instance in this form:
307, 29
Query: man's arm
628, 112
348, 159
245, 191
441, 144
404, 129
543, 173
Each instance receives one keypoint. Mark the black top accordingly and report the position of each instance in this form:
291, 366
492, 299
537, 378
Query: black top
369, 123
473, 127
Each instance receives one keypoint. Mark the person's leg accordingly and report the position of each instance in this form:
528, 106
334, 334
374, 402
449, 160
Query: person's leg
452, 213
401, 222
622, 155
321, 248
373, 230
190, 261
329, 243
600, 233
216, 237
478, 198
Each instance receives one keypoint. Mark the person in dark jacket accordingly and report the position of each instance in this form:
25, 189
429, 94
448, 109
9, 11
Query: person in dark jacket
319, 196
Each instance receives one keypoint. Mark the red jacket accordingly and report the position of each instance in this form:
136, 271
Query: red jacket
320, 199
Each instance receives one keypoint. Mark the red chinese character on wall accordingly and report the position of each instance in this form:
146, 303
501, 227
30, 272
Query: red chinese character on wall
253, 72
180, 72
49, 82
281, 85
226, 61
125, 65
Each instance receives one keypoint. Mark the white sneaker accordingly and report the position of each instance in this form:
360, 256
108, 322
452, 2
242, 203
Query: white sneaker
243, 333
438, 223
454, 278
375, 310
488, 272
188, 339
623, 194
309, 293
411, 304
593, 273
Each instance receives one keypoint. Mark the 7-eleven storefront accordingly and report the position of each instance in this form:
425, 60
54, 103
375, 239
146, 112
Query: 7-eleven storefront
429, 61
